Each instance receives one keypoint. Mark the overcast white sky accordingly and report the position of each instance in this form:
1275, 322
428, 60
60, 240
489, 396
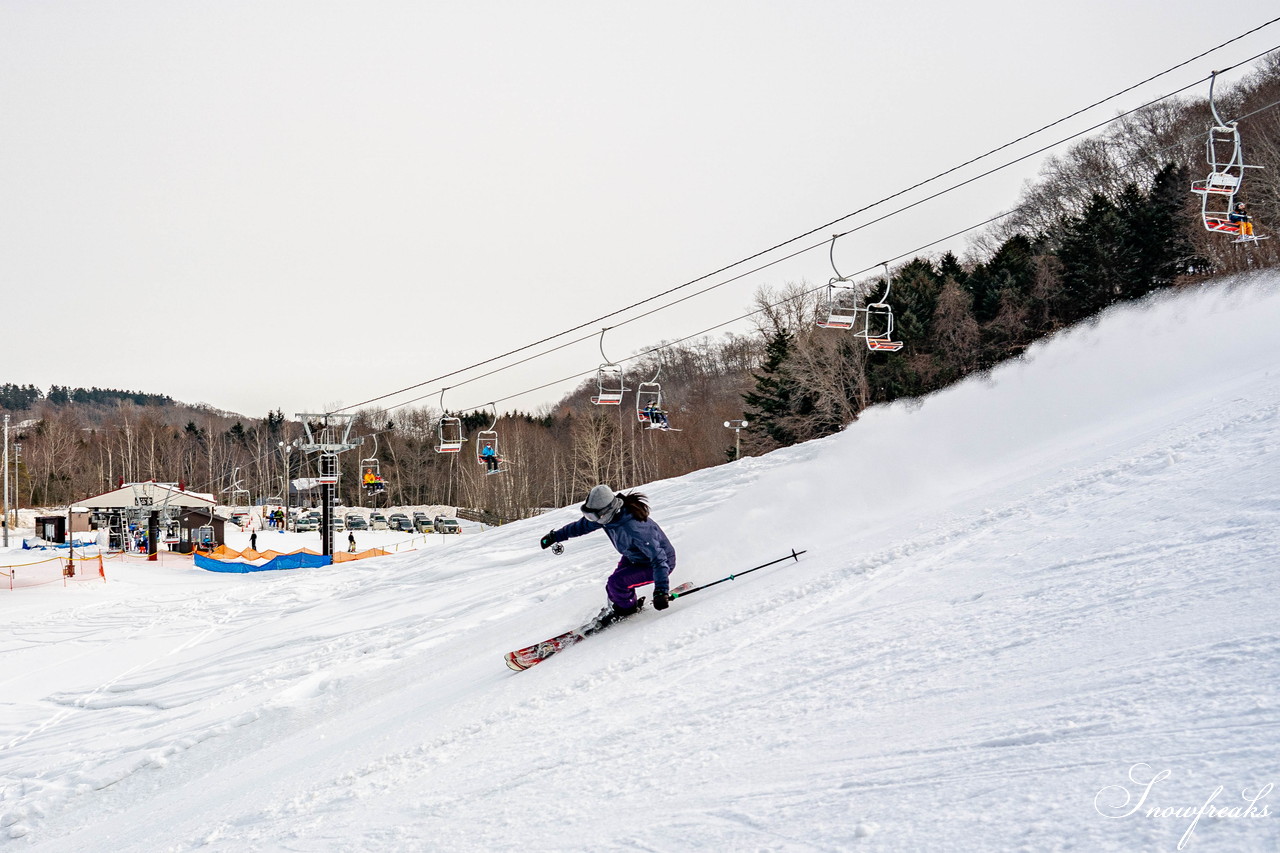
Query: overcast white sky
303, 205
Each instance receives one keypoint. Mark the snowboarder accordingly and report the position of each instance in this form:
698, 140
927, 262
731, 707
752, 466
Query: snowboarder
647, 553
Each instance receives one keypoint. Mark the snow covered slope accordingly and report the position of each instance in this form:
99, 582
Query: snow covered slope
1023, 601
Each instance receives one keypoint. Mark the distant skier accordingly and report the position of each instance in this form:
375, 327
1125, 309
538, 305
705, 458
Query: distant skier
351, 543
647, 553
253, 541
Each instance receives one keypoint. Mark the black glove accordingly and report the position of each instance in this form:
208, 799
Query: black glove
548, 540
661, 599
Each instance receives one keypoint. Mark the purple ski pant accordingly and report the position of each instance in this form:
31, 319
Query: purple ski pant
621, 586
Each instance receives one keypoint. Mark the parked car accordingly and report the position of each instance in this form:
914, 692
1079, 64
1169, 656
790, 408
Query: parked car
423, 524
305, 523
402, 523
377, 521
357, 522
241, 519
447, 525
338, 522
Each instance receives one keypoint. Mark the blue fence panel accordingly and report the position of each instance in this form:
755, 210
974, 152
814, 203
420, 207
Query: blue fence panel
285, 561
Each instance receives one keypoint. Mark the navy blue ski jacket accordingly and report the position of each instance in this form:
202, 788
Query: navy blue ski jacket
642, 543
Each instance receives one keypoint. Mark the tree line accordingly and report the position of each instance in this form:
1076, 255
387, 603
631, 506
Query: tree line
20, 398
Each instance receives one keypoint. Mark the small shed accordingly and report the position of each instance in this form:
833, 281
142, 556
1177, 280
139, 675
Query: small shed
52, 528
200, 528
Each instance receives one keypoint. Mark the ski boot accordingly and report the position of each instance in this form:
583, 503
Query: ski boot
613, 613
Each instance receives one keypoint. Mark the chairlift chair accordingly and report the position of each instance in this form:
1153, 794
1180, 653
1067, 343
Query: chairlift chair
450, 431
1225, 156
486, 439
371, 476
609, 385
649, 403
451, 437
877, 320
1226, 175
610, 382
841, 306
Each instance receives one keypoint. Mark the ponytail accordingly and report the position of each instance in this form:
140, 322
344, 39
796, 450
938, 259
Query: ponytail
636, 504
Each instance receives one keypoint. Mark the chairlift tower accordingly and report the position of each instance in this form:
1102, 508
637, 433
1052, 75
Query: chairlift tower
328, 435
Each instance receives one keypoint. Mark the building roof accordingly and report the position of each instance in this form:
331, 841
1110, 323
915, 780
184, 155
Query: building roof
204, 512
157, 495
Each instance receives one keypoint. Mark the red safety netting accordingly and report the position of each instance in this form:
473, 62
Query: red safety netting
56, 569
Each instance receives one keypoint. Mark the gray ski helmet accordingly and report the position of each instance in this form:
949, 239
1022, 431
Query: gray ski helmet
601, 505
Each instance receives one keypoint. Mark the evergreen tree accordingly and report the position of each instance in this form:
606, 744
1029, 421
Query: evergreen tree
1096, 257
1163, 241
771, 402
1010, 271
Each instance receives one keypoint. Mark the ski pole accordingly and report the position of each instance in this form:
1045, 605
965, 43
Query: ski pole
794, 555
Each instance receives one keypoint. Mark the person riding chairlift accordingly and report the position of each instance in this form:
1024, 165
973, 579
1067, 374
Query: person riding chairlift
489, 456
1240, 216
656, 416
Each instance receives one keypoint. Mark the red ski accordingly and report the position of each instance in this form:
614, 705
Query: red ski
522, 659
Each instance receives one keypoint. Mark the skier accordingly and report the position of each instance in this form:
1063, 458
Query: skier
253, 541
351, 543
647, 553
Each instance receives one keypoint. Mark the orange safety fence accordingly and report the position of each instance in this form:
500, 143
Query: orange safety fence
346, 557
222, 552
